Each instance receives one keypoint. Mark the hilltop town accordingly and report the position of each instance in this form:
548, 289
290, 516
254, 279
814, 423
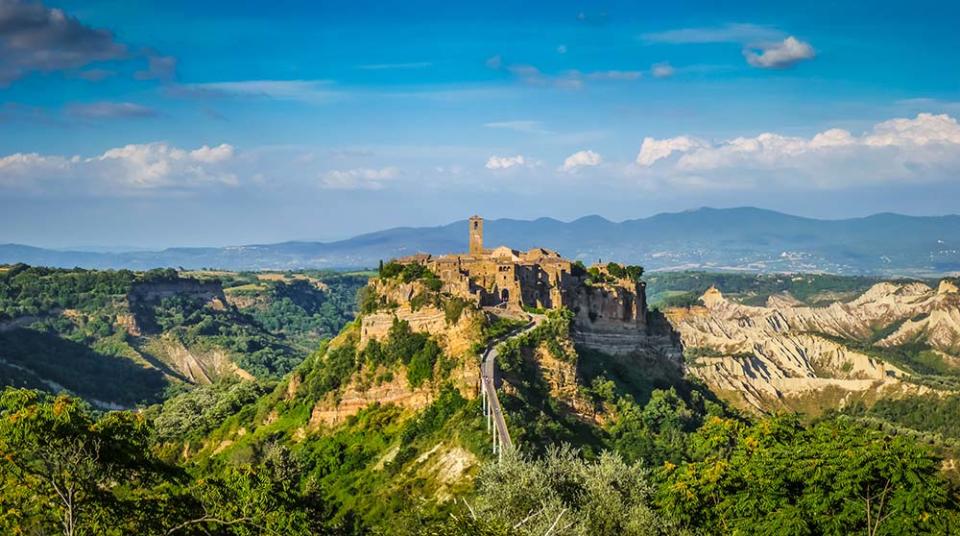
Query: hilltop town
608, 300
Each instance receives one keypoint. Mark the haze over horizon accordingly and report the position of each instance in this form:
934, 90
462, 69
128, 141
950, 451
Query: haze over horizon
322, 121
109, 248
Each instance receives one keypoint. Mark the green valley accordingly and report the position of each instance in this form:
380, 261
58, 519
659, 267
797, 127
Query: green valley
120, 338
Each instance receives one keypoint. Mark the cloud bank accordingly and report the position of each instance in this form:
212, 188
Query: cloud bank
36, 38
129, 170
923, 148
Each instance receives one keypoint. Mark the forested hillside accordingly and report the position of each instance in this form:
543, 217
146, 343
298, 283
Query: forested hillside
120, 338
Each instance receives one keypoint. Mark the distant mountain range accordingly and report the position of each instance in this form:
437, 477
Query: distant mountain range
710, 239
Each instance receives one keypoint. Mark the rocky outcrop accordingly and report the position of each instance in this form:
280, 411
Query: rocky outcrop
455, 338
561, 378
614, 307
940, 327
147, 293
358, 394
152, 291
611, 317
764, 356
334, 409
195, 366
128, 322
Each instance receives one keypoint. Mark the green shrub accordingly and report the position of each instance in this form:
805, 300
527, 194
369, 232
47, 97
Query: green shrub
453, 308
421, 365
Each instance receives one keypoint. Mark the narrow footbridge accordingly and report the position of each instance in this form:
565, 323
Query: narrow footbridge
500, 435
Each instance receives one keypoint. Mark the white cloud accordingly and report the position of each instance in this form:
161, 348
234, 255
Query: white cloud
835, 137
109, 110
925, 148
131, 169
615, 75
212, 155
527, 126
393, 66
653, 149
495, 62
158, 165
532, 76
925, 129
662, 70
159, 67
779, 55
358, 179
729, 33
505, 162
25, 170
293, 90
581, 159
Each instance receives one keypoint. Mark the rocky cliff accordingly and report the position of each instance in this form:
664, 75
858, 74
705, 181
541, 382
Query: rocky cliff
610, 317
456, 334
789, 355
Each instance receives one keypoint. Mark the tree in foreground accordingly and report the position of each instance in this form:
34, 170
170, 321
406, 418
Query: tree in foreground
834, 478
561, 494
64, 469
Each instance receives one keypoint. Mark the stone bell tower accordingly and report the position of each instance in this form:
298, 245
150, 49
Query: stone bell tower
476, 235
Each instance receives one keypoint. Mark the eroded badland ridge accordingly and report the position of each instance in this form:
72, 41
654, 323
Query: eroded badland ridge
789, 355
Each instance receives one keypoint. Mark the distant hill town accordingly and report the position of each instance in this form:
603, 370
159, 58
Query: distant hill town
712, 239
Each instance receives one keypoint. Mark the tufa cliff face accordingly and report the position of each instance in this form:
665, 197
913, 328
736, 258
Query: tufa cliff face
783, 353
455, 335
610, 317
151, 291
455, 332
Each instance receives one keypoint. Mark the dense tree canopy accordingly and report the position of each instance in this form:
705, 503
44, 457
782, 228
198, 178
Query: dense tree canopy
835, 477
66, 470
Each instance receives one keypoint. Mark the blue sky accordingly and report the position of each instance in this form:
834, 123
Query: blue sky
151, 124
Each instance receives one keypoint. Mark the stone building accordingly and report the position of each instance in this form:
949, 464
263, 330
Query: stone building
536, 278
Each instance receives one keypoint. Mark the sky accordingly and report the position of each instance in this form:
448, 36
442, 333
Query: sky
147, 124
